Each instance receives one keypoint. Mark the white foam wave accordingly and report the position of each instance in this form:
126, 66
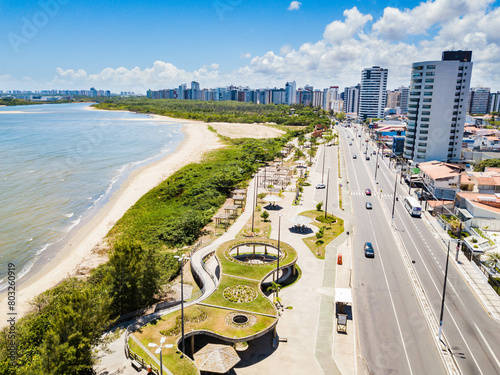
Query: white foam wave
70, 214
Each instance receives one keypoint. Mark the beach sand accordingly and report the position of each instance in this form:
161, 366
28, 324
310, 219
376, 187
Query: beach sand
77, 256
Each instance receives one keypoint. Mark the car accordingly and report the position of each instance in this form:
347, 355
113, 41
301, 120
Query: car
320, 186
359, 135
350, 143
369, 252
354, 157
368, 192
368, 205
367, 158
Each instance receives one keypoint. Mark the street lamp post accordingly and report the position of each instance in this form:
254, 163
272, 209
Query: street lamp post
181, 260
159, 350
394, 197
278, 259
444, 293
327, 185
376, 163
323, 169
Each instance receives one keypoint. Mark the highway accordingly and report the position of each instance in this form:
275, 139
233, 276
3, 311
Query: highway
393, 336
471, 334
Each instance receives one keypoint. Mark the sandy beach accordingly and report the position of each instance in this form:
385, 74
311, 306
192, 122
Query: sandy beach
77, 255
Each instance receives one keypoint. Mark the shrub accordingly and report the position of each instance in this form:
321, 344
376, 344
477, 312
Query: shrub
318, 206
264, 215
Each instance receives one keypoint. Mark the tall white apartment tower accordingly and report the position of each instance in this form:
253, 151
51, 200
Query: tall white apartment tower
437, 104
291, 93
373, 92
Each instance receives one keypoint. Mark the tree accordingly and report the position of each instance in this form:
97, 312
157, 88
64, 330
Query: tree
493, 163
275, 288
318, 206
340, 116
264, 215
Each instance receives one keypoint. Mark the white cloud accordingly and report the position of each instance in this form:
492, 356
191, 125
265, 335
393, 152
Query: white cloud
394, 41
246, 55
295, 5
338, 31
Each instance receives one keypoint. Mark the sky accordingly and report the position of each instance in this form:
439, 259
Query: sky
131, 45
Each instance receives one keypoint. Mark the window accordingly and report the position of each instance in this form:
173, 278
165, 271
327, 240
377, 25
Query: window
426, 113
425, 119
413, 106
457, 88
452, 137
431, 66
460, 68
428, 87
427, 100
414, 100
421, 150
454, 113
424, 126
455, 106
422, 144
429, 93
424, 132
459, 74
450, 149
415, 87
422, 138
416, 80
413, 93
459, 80
417, 68
429, 80
428, 74
414, 75
426, 106
450, 144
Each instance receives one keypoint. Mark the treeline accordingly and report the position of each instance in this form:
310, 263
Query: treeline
67, 323
225, 111
13, 102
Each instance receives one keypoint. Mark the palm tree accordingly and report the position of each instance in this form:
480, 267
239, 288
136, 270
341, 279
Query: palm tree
275, 288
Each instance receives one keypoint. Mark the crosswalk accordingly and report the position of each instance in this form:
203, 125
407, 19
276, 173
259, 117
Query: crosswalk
374, 194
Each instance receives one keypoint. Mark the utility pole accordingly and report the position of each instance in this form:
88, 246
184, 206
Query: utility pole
459, 242
327, 186
394, 197
323, 169
444, 294
376, 163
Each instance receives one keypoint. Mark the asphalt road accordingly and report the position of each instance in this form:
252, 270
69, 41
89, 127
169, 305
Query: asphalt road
393, 336
472, 335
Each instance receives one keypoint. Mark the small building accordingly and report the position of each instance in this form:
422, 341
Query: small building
483, 210
442, 179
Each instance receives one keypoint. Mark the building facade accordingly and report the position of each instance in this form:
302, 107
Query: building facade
479, 99
351, 99
373, 92
437, 106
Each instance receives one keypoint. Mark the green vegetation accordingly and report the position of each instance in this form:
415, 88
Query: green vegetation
68, 321
480, 232
494, 163
333, 228
225, 111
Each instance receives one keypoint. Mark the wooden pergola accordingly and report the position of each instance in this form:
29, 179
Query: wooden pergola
239, 192
231, 209
222, 218
238, 200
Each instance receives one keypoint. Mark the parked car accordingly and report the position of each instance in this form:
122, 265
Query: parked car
367, 158
368, 192
369, 252
320, 186
368, 205
354, 157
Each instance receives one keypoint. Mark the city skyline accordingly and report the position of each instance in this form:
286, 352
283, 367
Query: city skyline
60, 44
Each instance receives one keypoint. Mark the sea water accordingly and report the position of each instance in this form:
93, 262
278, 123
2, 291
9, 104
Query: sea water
59, 164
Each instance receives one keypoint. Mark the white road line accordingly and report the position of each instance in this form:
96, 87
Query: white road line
440, 295
488, 345
392, 301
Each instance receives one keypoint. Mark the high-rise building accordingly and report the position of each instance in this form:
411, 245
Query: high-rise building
393, 99
494, 102
317, 98
403, 103
329, 95
439, 92
351, 99
181, 92
291, 93
479, 99
373, 90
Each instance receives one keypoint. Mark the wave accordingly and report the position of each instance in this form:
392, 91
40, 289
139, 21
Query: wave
69, 215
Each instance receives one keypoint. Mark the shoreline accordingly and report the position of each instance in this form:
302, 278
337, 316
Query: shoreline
77, 252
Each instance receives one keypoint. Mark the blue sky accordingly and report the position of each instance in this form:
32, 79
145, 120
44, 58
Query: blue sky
132, 45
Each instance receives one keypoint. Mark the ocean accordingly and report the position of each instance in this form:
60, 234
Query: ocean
60, 164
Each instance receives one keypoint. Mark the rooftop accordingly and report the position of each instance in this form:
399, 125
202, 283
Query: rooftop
439, 170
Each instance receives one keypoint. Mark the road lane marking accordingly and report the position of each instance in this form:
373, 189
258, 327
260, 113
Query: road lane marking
392, 301
487, 345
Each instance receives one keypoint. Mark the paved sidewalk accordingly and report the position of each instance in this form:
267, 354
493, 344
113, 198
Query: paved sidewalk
474, 277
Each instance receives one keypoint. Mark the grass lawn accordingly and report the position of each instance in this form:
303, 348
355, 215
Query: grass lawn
260, 227
230, 266
215, 322
332, 231
260, 304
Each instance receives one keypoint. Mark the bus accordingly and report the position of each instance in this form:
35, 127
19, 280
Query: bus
412, 206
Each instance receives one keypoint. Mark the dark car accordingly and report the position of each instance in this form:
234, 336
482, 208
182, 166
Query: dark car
368, 205
369, 252
354, 157
367, 158
368, 192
